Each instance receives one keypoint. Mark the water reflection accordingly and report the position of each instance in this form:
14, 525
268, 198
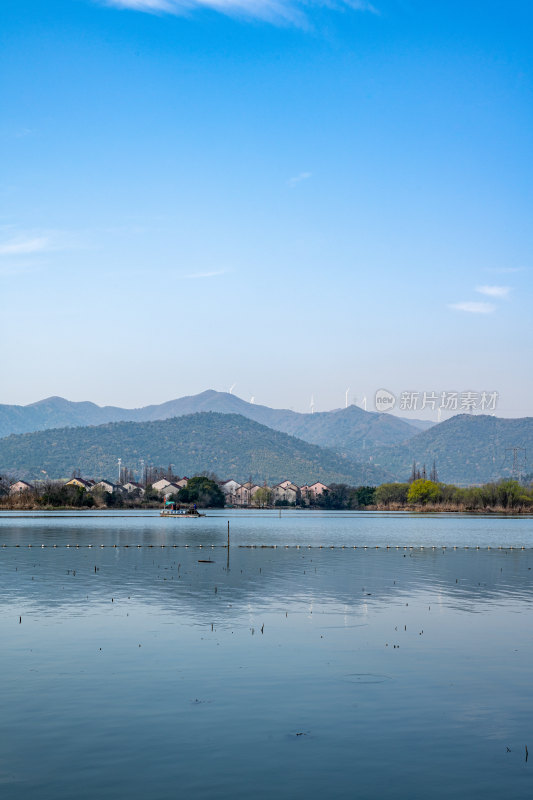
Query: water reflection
259, 528
301, 673
200, 581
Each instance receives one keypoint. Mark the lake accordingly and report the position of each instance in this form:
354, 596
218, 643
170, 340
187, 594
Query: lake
326, 654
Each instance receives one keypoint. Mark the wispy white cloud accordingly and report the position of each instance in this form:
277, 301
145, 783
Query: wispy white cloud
493, 291
212, 274
276, 11
303, 176
474, 307
23, 246
16, 243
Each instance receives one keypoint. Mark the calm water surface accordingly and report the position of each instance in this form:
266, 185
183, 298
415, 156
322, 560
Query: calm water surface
143, 671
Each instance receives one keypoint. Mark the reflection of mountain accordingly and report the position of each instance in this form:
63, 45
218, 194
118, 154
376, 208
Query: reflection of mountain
173, 579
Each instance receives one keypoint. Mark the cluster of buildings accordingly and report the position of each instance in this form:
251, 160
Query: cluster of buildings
130, 488
167, 488
235, 493
244, 494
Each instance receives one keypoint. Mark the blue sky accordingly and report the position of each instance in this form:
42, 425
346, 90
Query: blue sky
293, 197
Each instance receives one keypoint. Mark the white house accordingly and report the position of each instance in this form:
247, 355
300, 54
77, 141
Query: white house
244, 495
133, 488
160, 485
19, 486
286, 491
286, 484
230, 488
318, 488
172, 488
106, 486
81, 482
314, 490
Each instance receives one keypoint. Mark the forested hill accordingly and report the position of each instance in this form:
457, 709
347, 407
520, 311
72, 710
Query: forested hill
351, 431
467, 449
228, 444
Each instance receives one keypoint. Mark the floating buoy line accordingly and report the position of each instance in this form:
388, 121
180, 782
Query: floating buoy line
271, 546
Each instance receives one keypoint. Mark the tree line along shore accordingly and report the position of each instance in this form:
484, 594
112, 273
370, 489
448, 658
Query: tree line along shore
421, 494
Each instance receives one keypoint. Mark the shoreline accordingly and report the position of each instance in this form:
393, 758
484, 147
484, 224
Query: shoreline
418, 509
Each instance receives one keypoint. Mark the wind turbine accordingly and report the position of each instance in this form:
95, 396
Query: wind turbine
312, 404
439, 415
232, 387
252, 399
346, 404
364, 403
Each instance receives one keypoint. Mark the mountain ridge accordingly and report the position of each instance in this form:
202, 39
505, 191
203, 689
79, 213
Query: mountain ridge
467, 448
350, 431
228, 444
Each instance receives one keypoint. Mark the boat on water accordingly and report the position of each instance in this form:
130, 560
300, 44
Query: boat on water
172, 509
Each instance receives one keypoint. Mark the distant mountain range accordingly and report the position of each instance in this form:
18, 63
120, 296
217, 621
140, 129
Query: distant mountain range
228, 444
467, 449
348, 445
351, 431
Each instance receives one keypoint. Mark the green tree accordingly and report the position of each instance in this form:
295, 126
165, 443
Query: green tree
362, 496
114, 499
336, 497
509, 493
58, 495
423, 491
389, 493
203, 491
151, 494
262, 497
471, 497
